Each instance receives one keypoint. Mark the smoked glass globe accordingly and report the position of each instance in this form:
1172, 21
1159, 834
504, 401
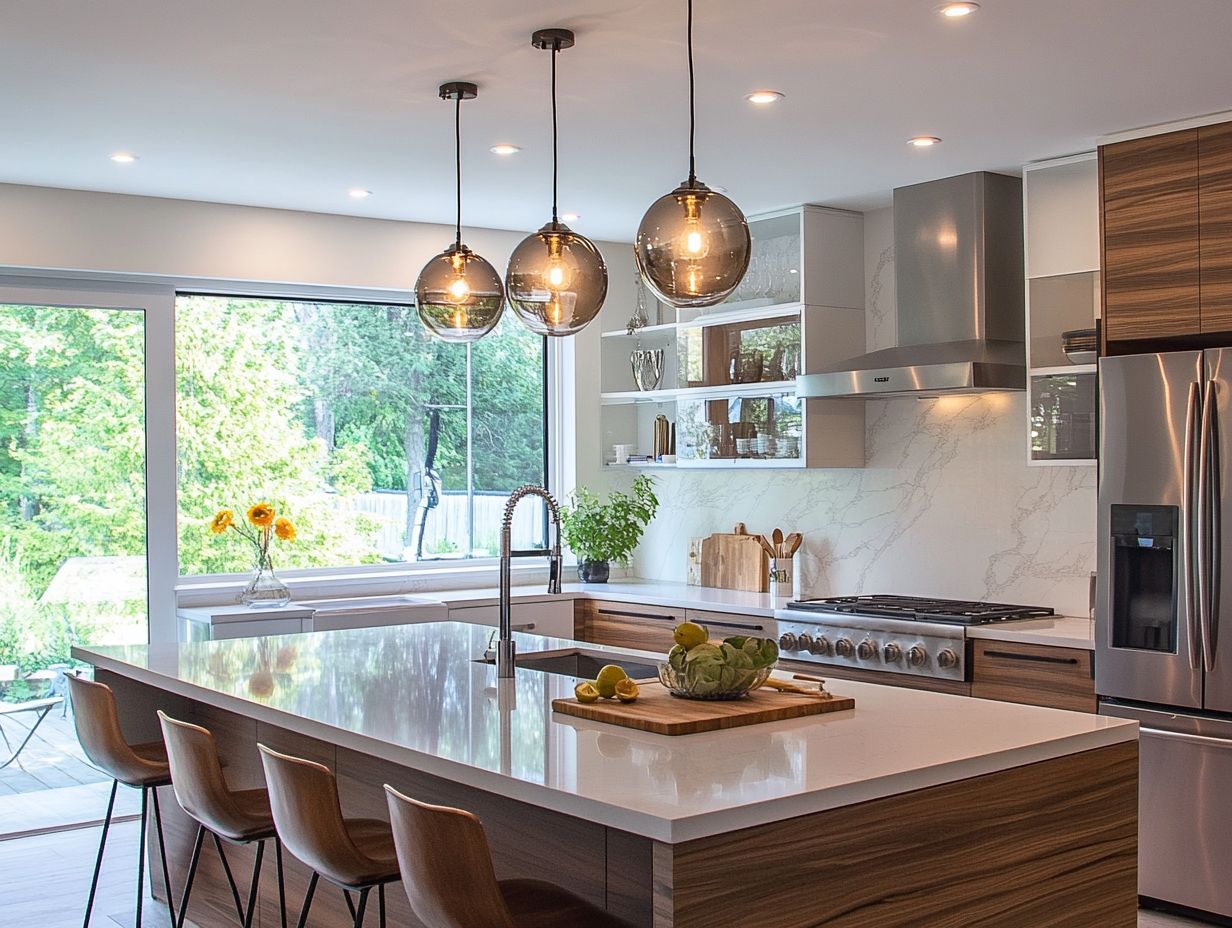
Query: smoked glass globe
693, 246
459, 295
557, 281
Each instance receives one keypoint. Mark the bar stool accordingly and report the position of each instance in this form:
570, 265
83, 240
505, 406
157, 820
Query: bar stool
355, 854
237, 816
142, 766
447, 871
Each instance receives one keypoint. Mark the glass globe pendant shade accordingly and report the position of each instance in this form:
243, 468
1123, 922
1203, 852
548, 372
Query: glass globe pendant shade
459, 295
557, 281
693, 246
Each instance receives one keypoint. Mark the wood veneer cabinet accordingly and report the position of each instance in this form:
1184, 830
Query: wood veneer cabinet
1215, 226
1061, 678
1149, 223
1166, 222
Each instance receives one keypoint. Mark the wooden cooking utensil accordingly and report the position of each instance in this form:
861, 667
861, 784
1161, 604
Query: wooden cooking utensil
792, 543
777, 538
766, 546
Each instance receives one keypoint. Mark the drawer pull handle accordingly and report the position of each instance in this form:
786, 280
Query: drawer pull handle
1035, 658
747, 628
638, 615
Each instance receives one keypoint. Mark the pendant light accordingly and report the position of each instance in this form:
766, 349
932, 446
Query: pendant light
459, 295
693, 245
557, 279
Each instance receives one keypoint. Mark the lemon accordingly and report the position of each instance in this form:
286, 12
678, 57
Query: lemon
626, 691
689, 635
608, 677
586, 692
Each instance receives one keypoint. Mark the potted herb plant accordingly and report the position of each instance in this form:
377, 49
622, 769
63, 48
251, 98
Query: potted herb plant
601, 532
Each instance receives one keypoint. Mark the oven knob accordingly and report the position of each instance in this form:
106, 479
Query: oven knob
844, 648
804, 642
947, 658
892, 653
868, 650
820, 645
916, 656
787, 641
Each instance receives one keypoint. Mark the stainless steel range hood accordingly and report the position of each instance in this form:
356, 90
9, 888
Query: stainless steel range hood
959, 272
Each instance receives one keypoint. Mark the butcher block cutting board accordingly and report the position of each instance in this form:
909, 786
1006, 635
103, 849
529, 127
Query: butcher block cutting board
733, 561
658, 711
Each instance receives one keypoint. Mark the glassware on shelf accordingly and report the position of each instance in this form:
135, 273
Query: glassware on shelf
647, 364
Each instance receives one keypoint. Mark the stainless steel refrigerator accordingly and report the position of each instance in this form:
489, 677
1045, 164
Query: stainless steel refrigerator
1164, 627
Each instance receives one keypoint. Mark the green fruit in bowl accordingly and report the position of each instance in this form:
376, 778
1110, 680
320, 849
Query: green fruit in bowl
675, 657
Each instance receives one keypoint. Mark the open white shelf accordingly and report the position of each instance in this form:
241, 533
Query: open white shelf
719, 391
1061, 370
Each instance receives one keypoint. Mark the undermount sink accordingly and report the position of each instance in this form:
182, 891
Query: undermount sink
575, 662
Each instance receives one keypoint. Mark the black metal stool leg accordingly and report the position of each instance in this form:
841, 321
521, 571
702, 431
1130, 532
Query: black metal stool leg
145, 802
162, 853
312, 888
282, 886
256, 881
226, 868
363, 904
381, 899
192, 874
102, 843
346, 894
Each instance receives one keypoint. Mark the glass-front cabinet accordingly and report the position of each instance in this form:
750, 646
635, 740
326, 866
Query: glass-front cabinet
721, 381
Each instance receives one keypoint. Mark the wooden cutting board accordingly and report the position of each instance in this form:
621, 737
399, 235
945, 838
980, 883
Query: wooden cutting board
658, 711
734, 562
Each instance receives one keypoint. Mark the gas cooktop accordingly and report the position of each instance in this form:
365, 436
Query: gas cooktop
921, 609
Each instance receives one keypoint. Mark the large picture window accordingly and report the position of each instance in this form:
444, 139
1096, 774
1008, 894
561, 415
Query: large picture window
381, 443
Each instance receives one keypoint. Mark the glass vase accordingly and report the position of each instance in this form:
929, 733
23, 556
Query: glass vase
264, 589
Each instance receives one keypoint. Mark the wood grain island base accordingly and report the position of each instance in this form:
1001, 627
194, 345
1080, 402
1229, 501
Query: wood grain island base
913, 810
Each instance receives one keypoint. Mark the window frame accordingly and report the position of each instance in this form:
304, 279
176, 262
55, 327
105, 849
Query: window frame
156, 297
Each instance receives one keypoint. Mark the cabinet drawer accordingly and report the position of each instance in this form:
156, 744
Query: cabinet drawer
632, 625
1061, 678
726, 624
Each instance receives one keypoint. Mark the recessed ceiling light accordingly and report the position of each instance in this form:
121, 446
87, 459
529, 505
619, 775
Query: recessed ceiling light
923, 141
504, 148
570, 217
764, 97
359, 193
123, 157
958, 9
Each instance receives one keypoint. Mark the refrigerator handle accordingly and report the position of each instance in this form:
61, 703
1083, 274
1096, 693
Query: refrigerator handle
1189, 521
1205, 523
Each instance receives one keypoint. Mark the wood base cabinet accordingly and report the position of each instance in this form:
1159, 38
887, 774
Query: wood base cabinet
1060, 678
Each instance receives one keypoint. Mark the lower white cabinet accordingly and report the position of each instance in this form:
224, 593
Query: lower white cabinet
553, 619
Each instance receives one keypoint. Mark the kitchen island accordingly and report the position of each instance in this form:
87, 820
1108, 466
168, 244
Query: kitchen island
914, 808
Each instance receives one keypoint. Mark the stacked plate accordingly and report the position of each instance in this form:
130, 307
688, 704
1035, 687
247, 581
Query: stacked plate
1081, 345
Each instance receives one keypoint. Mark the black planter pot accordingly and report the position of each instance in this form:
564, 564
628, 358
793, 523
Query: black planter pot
593, 571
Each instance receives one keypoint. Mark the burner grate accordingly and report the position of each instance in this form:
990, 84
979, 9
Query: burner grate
922, 609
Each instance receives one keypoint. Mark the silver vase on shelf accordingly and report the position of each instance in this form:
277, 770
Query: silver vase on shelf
647, 364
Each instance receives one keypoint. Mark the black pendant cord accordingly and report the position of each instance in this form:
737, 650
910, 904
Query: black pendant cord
457, 151
555, 159
692, 102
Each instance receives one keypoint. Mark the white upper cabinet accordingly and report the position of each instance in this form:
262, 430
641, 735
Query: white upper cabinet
1062, 216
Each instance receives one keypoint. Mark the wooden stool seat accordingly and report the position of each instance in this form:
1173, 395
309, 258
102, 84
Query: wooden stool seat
240, 816
376, 862
143, 766
450, 881
537, 904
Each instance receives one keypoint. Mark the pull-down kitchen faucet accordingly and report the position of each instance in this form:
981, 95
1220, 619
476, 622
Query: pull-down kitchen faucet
505, 651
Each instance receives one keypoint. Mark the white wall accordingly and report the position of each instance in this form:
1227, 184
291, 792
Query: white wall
946, 505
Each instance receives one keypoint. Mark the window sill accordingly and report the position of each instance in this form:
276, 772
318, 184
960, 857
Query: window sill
385, 580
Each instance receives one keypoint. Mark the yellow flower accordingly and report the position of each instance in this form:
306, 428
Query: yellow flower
262, 514
284, 529
222, 521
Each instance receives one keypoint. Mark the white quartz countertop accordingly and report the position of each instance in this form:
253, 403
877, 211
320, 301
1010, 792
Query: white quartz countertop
412, 694
1063, 631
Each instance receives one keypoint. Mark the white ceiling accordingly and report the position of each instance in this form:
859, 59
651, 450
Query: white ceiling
289, 104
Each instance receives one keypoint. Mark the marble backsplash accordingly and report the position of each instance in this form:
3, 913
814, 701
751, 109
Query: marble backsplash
946, 505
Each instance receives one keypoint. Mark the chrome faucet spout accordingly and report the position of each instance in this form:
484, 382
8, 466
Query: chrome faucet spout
505, 649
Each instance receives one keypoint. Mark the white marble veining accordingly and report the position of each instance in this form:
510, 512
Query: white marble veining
413, 695
946, 505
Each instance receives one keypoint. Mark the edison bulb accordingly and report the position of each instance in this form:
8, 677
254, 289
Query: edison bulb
459, 295
557, 281
693, 246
